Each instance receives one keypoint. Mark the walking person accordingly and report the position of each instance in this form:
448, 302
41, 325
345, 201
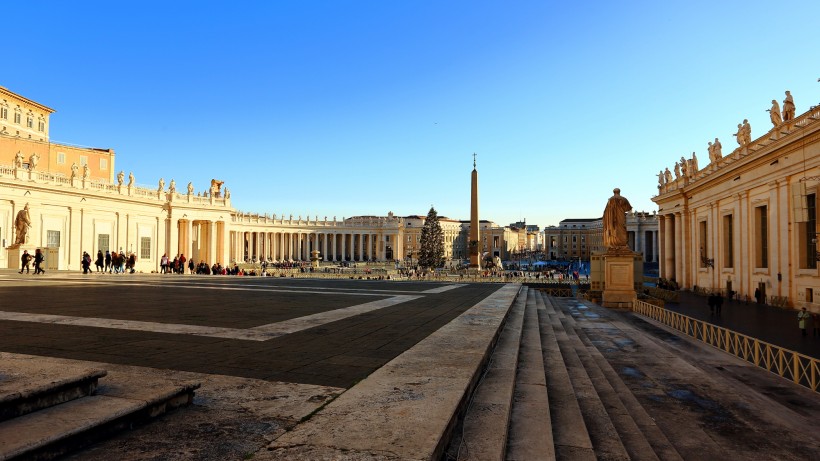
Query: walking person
108, 267
39, 258
803, 318
25, 259
718, 304
99, 262
711, 302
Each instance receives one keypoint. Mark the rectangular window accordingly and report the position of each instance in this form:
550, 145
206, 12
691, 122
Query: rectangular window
4, 113
29, 122
728, 241
61, 158
761, 237
811, 232
145, 247
103, 242
41, 126
704, 243
17, 118
53, 239
83, 160
103, 163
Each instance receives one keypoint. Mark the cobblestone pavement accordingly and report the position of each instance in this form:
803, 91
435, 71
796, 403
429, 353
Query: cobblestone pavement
323, 332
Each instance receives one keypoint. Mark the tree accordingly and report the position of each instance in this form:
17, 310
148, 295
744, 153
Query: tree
431, 246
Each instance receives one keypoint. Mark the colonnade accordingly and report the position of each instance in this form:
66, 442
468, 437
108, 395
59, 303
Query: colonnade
198, 240
298, 246
646, 242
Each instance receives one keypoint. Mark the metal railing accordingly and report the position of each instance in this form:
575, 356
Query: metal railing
794, 366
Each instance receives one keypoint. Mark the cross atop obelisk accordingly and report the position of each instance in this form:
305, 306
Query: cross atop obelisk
474, 160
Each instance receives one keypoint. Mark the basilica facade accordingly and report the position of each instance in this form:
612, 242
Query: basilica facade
746, 223
74, 202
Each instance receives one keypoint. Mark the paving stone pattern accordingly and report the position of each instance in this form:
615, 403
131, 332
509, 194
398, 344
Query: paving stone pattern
334, 354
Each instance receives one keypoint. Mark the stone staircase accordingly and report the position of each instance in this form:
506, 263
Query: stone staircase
47, 412
555, 389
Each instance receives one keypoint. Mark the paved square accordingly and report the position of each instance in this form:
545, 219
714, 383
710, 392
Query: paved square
326, 332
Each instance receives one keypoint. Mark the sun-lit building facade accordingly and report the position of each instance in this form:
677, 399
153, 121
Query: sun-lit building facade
78, 203
746, 223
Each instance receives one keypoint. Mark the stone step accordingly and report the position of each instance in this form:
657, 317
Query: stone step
636, 438
27, 390
641, 422
605, 438
569, 431
121, 402
530, 432
652, 371
484, 427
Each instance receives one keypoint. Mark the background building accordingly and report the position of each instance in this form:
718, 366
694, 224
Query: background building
91, 209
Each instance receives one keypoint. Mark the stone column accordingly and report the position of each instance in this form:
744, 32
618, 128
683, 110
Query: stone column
655, 246
324, 247
189, 244
172, 247
344, 247
677, 247
212, 255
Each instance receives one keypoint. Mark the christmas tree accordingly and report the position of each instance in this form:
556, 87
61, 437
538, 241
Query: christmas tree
431, 251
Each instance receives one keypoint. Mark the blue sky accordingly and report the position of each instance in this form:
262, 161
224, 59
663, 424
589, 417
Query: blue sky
342, 108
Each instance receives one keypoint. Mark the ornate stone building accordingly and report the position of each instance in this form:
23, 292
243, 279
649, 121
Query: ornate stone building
747, 222
579, 238
78, 204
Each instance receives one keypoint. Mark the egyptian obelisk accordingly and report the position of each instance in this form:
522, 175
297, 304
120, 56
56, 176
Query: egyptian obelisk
475, 241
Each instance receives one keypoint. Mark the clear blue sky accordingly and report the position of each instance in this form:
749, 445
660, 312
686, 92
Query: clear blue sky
363, 107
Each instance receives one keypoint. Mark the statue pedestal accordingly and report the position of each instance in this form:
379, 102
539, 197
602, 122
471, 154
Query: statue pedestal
14, 253
619, 279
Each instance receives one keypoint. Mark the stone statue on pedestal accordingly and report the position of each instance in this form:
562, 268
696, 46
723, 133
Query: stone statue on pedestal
86, 172
172, 188
677, 170
614, 221
190, 188
120, 178
661, 178
32, 161
75, 170
18, 160
130, 179
161, 185
668, 175
22, 224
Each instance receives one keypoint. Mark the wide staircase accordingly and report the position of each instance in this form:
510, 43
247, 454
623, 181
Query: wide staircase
46, 411
554, 389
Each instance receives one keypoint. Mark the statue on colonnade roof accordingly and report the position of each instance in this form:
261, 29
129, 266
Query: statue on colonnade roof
788, 107
774, 114
120, 177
